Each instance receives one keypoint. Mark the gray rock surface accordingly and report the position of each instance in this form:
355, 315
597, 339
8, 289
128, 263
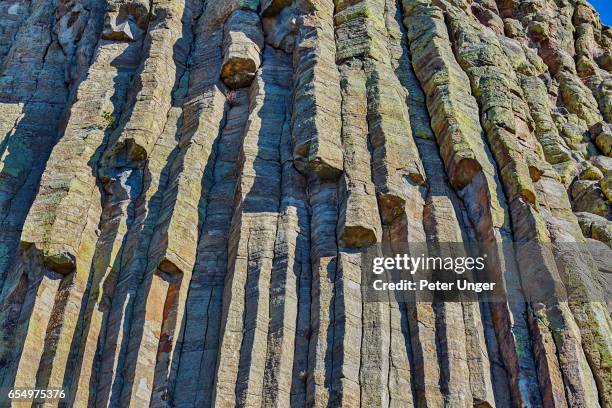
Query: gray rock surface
186, 189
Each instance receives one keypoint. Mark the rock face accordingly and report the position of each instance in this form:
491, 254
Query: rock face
186, 187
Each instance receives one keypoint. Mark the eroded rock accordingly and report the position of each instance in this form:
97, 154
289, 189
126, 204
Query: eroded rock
183, 213
242, 47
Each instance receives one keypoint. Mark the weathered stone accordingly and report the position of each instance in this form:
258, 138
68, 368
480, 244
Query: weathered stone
601, 134
605, 61
242, 46
316, 103
481, 197
358, 216
273, 7
281, 30
448, 98
241, 375
606, 185
120, 31
186, 189
604, 142
587, 195
603, 163
482, 67
596, 227
590, 172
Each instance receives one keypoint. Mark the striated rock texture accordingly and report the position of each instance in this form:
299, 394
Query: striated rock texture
186, 187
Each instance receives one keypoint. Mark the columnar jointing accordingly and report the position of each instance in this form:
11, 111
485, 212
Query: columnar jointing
187, 188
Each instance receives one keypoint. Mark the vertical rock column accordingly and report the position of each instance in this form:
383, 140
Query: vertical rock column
13, 13
286, 355
456, 124
317, 153
461, 336
38, 248
128, 169
199, 342
217, 50
574, 50
316, 100
357, 226
509, 134
361, 38
323, 201
35, 90
31, 301
246, 300
591, 54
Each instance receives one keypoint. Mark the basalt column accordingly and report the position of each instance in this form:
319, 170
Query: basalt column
190, 191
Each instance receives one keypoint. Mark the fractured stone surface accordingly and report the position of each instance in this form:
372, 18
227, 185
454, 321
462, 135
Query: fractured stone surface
186, 188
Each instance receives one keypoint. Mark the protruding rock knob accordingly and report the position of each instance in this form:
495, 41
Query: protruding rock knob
242, 47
